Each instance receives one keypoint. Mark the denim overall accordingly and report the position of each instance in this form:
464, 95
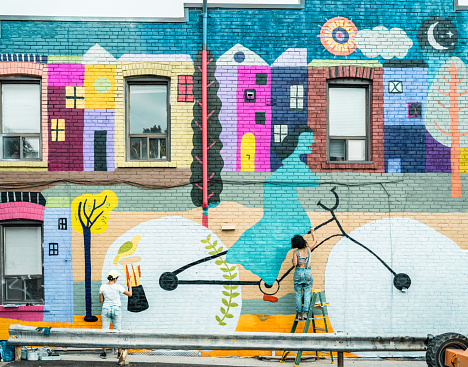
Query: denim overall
303, 284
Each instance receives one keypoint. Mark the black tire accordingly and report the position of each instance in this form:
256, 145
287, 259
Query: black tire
435, 354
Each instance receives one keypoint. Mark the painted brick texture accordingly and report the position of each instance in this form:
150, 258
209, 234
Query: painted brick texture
268, 126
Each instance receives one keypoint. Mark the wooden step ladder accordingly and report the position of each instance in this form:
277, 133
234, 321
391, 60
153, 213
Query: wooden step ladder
316, 303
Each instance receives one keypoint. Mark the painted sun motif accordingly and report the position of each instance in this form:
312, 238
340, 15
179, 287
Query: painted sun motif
338, 36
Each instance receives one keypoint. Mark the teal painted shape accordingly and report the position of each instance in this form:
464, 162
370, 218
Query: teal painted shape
263, 247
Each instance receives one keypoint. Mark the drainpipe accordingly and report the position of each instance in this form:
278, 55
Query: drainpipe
204, 116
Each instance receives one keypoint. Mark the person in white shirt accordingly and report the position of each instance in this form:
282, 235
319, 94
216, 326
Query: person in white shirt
109, 296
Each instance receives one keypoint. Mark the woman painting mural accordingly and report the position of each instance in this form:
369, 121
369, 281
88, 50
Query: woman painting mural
109, 296
303, 279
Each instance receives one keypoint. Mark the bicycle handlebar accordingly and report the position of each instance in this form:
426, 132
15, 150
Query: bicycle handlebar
337, 201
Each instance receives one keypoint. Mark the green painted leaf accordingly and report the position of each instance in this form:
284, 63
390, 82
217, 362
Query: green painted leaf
208, 247
233, 287
227, 294
204, 241
223, 311
232, 268
218, 318
209, 237
212, 253
226, 270
233, 304
220, 249
218, 262
222, 323
229, 316
225, 276
234, 295
225, 302
229, 287
215, 243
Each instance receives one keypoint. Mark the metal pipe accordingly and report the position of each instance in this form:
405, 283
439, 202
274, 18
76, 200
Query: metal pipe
340, 342
340, 359
205, 109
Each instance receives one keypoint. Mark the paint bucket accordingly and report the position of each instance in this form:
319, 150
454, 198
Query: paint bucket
33, 355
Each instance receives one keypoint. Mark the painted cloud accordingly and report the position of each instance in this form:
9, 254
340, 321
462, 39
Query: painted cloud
386, 43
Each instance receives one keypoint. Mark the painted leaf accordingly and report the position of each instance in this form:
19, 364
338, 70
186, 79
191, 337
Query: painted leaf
227, 294
218, 318
209, 237
219, 262
223, 311
225, 302
234, 295
222, 323
233, 304
229, 316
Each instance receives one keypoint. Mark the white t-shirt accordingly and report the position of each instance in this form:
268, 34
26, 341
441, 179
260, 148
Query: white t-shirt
111, 294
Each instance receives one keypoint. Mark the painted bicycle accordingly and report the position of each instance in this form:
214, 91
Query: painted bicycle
169, 281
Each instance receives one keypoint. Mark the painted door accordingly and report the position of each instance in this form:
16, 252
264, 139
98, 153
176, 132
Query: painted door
248, 153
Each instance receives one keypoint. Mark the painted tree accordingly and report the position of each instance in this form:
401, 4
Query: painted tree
215, 161
90, 214
447, 117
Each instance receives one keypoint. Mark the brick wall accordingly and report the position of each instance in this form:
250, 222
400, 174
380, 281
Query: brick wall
270, 68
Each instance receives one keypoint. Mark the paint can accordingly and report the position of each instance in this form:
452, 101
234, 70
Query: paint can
33, 355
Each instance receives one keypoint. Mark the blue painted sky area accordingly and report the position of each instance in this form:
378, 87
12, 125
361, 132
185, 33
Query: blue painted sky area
267, 32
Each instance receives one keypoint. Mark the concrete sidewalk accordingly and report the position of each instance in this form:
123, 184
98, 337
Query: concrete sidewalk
87, 359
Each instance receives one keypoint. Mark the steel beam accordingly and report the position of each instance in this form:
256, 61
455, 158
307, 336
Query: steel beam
339, 342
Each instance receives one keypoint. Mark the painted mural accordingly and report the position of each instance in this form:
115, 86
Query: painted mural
270, 174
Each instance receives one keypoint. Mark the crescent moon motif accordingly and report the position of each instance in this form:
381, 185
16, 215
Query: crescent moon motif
432, 40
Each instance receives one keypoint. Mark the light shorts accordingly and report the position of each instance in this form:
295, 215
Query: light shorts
114, 314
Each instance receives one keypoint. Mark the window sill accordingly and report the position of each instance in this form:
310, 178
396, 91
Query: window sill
137, 164
21, 308
350, 162
23, 164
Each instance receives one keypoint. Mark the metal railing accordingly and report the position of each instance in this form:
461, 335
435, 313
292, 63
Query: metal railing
96, 338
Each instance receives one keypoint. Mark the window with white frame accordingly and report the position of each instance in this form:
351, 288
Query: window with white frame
296, 97
22, 262
20, 119
279, 133
348, 121
148, 121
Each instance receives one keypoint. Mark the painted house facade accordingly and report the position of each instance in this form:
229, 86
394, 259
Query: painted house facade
360, 107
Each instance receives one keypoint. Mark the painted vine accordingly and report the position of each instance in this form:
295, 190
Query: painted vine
229, 291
